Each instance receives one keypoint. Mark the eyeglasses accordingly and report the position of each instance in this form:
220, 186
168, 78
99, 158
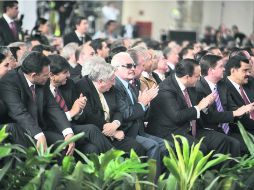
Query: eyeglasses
129, 65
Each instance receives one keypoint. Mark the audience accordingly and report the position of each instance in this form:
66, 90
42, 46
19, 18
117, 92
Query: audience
131, 95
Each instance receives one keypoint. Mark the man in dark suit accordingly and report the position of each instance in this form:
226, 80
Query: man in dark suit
221, 114
29, 103
64, 91
82, 54
9, 28
240, 88
100, 47
79, 35
101, 108
175, 111
134, 107
171, 55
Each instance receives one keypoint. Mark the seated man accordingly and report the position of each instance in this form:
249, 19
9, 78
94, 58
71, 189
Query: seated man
221, 114
240, 87
29, 103
134, 107
175, 111
101, 108
64, 91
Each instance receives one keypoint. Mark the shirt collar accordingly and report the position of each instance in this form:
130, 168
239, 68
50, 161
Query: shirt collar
28, 81
7, 18
171, 65
79, 35
52, 89
73, 65
181, 85
125, 83
211, 85
237, 86
145, 74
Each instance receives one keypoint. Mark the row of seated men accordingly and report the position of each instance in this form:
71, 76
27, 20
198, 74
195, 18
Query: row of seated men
43, 102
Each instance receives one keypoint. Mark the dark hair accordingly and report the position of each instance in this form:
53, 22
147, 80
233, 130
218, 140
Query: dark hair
41, 47
108, 23
235, 62
9, 4
185, 50
166, 51
185, 67
40, 21
58, 64
97, 44
77, 20
34, 62
199, 55
207, 62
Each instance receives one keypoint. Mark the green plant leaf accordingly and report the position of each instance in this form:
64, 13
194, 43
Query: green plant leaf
52, 178
3, 133
5, 169
4, 151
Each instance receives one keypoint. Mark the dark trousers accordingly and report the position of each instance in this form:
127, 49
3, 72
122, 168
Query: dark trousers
213, 140
92, 142
127, 144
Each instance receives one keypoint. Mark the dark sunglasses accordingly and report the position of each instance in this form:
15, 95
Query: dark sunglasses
129, 65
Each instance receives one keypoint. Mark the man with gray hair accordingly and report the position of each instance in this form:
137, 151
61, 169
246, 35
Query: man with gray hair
69, 53
134, 107
101, 107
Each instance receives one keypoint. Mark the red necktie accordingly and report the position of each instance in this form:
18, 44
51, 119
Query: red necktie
60, 101
193, 122
246, 101
32, 88
13, 28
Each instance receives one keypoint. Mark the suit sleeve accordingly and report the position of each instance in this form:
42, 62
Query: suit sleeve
170, 107
129, 112
11, 94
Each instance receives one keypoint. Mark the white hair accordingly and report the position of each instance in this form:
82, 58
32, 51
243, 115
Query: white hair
117, 58
90, 63
69, 50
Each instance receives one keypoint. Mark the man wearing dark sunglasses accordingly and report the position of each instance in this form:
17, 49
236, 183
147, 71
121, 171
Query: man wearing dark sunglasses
134, 107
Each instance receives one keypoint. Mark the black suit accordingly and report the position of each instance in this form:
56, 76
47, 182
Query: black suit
94, 113
212, 118
238, 100
29, 116
94, 140
170, 114
75, 73
6, 35
156, 78
72, 37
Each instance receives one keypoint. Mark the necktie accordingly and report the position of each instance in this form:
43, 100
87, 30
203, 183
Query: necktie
246, 101
13, 28
193, 122
104, 107
32, 88
59, 99
82, 39
219, 107
132, 93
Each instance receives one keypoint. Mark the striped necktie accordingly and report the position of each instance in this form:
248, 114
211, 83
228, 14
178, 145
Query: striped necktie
59, 99
224, 126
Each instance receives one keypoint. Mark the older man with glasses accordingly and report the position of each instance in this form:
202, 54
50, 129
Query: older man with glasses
134, 107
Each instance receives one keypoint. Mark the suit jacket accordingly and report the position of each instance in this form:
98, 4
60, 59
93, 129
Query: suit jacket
76, 73
133, 114
170, 71
169, 111
6, 35
93, 111
147, 82
4, 118
212, 118
238, 100
156, 78
31, 116
72, 37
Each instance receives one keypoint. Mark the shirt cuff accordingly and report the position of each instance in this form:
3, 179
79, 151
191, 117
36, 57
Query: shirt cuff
67, 131
117, 122
198, 112
144, 107
68, 116
39, 135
